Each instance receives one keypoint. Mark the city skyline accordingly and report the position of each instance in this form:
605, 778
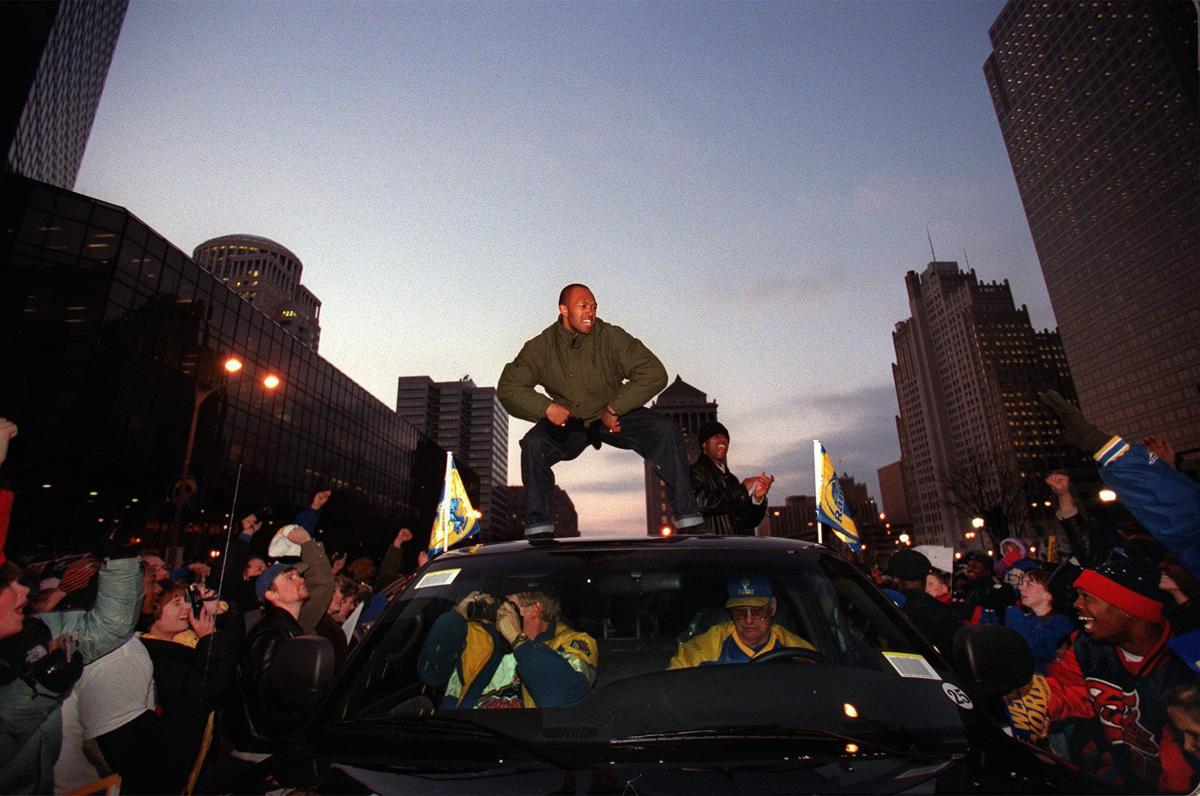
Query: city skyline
742, 186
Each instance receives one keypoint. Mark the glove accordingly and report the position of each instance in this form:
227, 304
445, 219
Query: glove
1077, 429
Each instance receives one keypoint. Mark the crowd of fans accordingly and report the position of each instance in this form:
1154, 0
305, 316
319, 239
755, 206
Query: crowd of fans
1113, 630
115, 664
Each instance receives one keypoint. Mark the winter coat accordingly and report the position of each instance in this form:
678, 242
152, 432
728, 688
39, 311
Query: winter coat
583, 372
724, 501
30, 722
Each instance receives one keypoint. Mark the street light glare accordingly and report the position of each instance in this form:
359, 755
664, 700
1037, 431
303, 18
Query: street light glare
977, 522
270, 381
233, 364
1107, 496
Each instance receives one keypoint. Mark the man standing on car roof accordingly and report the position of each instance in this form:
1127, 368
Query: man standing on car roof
749, 632
597, 377
730, 507
527, 657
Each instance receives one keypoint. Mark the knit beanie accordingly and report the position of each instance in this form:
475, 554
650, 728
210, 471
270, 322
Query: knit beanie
1130, 584
710, 429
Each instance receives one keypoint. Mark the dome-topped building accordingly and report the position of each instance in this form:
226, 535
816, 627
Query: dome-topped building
267, 275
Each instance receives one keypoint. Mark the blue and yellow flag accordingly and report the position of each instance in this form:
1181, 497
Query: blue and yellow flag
456, 519
831, 504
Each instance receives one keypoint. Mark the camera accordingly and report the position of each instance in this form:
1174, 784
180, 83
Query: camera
196, 599
481, 610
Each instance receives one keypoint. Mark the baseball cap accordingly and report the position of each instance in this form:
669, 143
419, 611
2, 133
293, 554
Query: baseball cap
748, 590
264, 581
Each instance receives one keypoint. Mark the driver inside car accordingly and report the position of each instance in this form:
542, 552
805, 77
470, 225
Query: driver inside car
510, 653
750, 630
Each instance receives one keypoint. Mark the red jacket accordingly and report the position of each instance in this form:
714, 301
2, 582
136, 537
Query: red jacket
1093, 680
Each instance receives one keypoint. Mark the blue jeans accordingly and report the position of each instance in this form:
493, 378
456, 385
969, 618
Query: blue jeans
655, 437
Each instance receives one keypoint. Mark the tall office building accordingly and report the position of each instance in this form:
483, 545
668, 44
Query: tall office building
892, 494
566, 519
974, 437
58, 54
470, 422
1098, 105
690, 408
268, 276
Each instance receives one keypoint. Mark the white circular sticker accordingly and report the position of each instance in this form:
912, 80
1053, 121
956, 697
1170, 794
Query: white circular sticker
958, 696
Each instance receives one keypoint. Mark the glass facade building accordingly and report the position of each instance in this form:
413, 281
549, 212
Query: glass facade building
108, 332
1099, 105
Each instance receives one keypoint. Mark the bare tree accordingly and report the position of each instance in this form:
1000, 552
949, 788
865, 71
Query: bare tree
983, 487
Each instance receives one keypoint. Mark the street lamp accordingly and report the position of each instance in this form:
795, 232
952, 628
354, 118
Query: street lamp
977, 522
1107, 495
185, 487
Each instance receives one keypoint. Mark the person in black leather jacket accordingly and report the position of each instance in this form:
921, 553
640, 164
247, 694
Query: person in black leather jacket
730, 507
257, 717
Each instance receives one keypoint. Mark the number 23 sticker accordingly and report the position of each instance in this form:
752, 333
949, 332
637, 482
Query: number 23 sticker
958, 696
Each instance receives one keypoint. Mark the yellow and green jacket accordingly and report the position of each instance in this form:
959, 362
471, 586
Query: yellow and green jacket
476, 668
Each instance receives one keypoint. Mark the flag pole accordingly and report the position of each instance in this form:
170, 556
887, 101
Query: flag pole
817, 500
444, 508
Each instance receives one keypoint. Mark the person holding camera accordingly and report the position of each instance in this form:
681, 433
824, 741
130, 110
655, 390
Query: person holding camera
516, 652
193, 645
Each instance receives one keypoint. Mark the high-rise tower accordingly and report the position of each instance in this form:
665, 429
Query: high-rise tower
470, 422
974, 438
1098, 105
57, 56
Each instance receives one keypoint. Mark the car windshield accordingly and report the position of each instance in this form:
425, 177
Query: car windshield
635, 643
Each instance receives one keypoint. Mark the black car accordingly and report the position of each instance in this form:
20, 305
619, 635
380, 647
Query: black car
856, 702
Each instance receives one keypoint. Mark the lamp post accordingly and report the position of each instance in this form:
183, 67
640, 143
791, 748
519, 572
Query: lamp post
185, 487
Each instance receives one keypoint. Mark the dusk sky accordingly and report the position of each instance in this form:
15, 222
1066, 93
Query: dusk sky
743, 185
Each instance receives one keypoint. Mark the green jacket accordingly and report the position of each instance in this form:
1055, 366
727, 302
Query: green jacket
30, 722
583, 372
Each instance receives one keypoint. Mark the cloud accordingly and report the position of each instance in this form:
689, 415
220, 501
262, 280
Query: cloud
857, 427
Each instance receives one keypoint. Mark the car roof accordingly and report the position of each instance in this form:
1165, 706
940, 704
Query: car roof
635, 543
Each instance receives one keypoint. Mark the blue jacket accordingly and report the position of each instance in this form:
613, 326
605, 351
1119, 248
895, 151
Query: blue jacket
1042, 634
1165, 501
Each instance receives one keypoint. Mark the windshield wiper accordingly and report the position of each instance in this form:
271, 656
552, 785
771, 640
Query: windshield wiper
445, 727
770, 732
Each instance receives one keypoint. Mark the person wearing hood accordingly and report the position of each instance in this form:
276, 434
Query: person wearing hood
1015, 562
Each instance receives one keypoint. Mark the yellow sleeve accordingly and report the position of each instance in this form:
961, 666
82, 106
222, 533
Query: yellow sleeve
704, 647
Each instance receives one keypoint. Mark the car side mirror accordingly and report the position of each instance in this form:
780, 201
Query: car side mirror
301, 669
996, 658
